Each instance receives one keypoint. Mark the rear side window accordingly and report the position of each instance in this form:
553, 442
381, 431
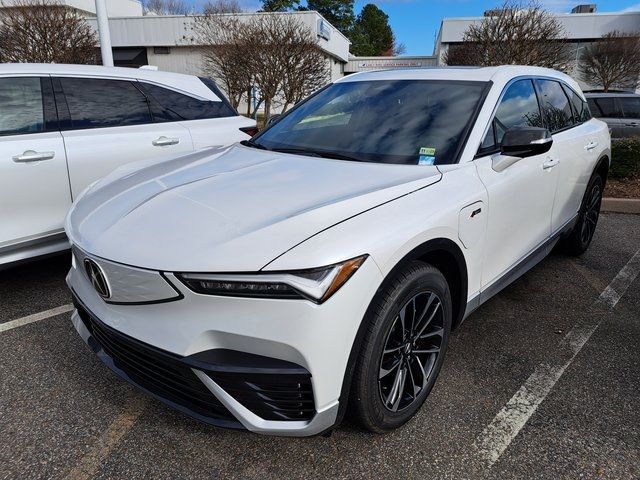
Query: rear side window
581, 111
605, 107
518, 107
21, 109
630, 106
95, 103
168, 105
555, 105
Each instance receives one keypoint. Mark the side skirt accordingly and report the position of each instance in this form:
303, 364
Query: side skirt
522, 267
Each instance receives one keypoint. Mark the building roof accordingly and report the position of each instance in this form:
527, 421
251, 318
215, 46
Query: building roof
576, 26
178, 30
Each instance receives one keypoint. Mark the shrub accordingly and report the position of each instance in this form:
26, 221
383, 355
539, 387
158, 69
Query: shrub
625, 158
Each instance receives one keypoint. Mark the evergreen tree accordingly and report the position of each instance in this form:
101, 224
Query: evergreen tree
372, 34
338, 13
279, 5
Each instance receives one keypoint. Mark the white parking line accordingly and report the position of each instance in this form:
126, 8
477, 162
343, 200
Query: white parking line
506, 425
36, 317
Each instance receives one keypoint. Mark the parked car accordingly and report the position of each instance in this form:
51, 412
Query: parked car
621, 111
324, 262
63, 127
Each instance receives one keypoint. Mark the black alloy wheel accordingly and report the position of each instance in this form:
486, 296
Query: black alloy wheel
410, 351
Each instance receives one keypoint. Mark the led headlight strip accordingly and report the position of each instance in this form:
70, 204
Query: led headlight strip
317, 284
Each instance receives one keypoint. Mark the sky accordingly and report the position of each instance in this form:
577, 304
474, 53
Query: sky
416, 22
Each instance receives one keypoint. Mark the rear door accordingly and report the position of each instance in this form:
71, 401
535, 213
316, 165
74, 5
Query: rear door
211, 124
34, 186
631, 111
107, 123
575, 142
607, 109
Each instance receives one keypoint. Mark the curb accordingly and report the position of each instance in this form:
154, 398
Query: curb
620, 205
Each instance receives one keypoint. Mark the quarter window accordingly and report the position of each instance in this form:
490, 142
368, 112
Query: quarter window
95, 103
580, 108
168, 105
631, 106
518, 107
21, 109
555, 105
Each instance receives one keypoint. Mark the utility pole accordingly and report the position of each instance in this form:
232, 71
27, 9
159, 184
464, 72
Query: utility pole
103, 32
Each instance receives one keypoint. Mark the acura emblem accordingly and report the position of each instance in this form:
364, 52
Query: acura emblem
97, 278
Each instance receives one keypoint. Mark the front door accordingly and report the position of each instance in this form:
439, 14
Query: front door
520, 191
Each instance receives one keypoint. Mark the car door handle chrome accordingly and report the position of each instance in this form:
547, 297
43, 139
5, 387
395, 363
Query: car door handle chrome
164, 141
591, 145
33, 156
632, 124
550, 163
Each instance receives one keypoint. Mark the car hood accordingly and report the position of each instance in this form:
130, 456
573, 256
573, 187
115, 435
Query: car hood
234, 209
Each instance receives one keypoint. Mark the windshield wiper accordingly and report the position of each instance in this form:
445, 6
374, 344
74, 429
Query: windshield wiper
252, 144
317, 153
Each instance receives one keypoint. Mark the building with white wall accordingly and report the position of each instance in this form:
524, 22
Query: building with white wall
115, 8
580, 29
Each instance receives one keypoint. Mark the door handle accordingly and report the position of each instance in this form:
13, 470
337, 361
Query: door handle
33, 156
591, 145
164, 141
632, 124
550, 163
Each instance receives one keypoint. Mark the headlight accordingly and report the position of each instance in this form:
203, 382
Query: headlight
317, 284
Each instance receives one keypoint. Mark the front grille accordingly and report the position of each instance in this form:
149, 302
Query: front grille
158, 372
270, 396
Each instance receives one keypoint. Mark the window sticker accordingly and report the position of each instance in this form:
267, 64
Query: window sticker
427, 156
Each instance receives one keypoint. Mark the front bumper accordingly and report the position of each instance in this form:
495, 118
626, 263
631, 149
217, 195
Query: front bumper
270, 366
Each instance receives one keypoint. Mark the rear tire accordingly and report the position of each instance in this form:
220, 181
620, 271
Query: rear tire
403, 349
581, 235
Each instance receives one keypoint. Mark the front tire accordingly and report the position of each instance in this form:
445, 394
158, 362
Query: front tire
581, 235
403, 349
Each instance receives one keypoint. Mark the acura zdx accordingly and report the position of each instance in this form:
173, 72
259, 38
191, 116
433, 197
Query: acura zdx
319, 268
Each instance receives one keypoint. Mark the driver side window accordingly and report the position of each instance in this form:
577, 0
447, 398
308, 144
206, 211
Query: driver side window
518, 107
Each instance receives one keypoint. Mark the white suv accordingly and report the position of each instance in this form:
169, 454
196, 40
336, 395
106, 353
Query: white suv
64, 126
324, 262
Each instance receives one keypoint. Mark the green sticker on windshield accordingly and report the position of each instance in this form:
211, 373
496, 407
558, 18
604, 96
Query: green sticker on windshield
430, 151
427, 156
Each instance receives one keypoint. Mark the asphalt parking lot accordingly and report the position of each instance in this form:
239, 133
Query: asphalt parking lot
543, 381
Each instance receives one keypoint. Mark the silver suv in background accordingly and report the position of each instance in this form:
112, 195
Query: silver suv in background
621, 111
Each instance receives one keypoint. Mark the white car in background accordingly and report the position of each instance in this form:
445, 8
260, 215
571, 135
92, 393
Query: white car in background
324, 262
62, 127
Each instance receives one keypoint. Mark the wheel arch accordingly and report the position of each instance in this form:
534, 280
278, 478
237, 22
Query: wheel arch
602, 168
445, 255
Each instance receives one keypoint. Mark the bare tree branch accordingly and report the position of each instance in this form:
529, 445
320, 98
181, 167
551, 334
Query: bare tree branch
278, 55
517, 33
166, 7
221, 6
39, 31
613, 62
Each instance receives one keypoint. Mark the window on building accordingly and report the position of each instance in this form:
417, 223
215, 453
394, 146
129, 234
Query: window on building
630, 106
95, 103
168, 105
518, 107
555, 105
21, 106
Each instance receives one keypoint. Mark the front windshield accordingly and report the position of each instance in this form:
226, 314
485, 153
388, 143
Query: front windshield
413, 122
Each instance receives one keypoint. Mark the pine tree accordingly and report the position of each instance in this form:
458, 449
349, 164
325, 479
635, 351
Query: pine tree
372, 34
338, 13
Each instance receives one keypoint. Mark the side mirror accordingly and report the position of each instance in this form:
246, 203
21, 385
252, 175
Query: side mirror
273, 119
525, 142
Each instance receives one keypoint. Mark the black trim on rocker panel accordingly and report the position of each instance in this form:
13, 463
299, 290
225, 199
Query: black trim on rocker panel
522, 267
418, 252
